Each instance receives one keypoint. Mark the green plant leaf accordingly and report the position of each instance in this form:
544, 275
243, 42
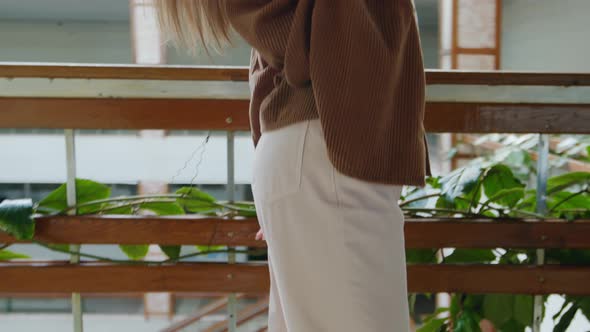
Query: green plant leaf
523, 309
436, 312
195, 200
567, 201
433, 181
443, 203
135, 252
565, 304
173, 252
470, 256
512, 326
247, 213
467, 322
454, 308
420, 256
121, 210
584, 304
498, 308
510, 257
16, 218
86, 191
472, 198
500, 177
247, 210
569, 256
473, 301
202, 248
460, 181
563, 181
529, 202
6, 255
507, 197
432, 325
163, 208
489, 214
59, 247
566, 319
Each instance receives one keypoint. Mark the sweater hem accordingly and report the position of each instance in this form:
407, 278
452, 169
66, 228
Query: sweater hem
417, 181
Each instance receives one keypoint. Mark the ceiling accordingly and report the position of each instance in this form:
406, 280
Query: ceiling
118, 10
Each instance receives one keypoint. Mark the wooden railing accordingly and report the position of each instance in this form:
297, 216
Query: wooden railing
419, 233
133, 97
252, 278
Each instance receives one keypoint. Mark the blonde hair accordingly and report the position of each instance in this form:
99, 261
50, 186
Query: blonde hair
194, 23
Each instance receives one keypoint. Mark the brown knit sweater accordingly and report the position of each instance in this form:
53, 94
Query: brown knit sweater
355, 64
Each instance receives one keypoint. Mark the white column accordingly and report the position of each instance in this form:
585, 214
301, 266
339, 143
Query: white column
148, 49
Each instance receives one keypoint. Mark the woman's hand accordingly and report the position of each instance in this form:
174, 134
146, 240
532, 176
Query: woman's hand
260, 235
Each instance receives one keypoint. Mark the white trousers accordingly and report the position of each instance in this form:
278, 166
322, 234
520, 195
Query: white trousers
335, 243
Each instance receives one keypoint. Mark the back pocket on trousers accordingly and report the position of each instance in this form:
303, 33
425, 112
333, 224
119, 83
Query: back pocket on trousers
277, 162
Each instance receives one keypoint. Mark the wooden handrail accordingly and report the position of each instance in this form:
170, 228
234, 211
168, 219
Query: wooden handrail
92, 113
133, 72
252, 278
233, 73
419, 233
136, 295
216, 98
230, 114
108, 278
486, 117
435, 76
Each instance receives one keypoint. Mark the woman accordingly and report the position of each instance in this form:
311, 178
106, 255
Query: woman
337, 120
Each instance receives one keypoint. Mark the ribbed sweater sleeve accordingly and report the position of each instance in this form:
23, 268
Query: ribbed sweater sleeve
368, 81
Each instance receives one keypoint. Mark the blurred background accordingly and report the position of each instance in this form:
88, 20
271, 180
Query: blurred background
521, 35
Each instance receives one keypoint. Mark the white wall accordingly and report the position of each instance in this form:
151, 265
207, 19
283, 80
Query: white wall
91, 42
124, 159
102, 42
236, 55
110, 42
429, 39
546, 35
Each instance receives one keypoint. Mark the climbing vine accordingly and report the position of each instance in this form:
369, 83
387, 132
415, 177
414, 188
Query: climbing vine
484, 188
